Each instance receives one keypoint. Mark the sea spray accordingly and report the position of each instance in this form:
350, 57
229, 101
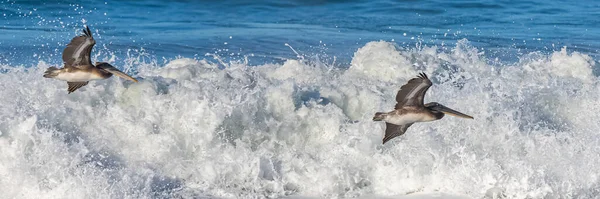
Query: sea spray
194, 128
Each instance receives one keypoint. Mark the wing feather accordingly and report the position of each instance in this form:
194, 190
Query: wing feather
78, 51
75, 85
413, 92
392, 131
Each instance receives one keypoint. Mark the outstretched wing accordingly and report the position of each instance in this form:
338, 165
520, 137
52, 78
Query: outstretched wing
75, 85
392, 131
413, 92
77, 53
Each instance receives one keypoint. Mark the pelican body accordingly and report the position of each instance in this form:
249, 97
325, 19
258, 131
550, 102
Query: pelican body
410, 108
78, 69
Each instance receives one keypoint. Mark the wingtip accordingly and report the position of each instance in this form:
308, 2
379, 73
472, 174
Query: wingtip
87, 31
423, 75
386, 139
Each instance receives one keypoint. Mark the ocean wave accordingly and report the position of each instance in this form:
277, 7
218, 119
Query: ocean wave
200, 128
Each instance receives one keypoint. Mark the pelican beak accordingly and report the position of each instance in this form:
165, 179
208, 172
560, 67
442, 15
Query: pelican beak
450, 111
123, 75
111, 69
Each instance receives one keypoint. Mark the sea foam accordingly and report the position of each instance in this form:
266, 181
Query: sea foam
195, 129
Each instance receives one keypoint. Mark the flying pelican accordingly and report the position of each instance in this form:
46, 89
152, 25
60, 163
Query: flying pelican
410, 108
78, 69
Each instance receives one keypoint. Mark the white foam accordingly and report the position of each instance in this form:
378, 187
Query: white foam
304, 130
380, 61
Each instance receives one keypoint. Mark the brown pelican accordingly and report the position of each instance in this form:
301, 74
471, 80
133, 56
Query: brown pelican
78, 69
410, 108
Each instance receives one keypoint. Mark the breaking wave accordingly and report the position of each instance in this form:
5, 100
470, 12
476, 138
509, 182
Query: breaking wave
207, 129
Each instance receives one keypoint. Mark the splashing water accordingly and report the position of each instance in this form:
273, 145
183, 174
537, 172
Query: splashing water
193, 129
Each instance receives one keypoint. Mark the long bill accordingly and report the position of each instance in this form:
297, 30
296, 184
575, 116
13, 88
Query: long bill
451, 112
123, 75
116, 72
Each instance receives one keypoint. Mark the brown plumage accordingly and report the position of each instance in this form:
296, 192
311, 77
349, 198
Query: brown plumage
78, 69
410, 108
78, 51
413, 92
75, 85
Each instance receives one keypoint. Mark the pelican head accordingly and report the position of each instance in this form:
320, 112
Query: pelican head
439, 110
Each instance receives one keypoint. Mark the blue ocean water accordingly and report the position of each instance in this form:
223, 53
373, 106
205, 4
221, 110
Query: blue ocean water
275, 99
35, 30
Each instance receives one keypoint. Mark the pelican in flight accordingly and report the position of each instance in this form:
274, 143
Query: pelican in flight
410, 108
78, 69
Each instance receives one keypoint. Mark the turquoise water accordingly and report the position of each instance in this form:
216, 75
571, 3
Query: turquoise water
275, 99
